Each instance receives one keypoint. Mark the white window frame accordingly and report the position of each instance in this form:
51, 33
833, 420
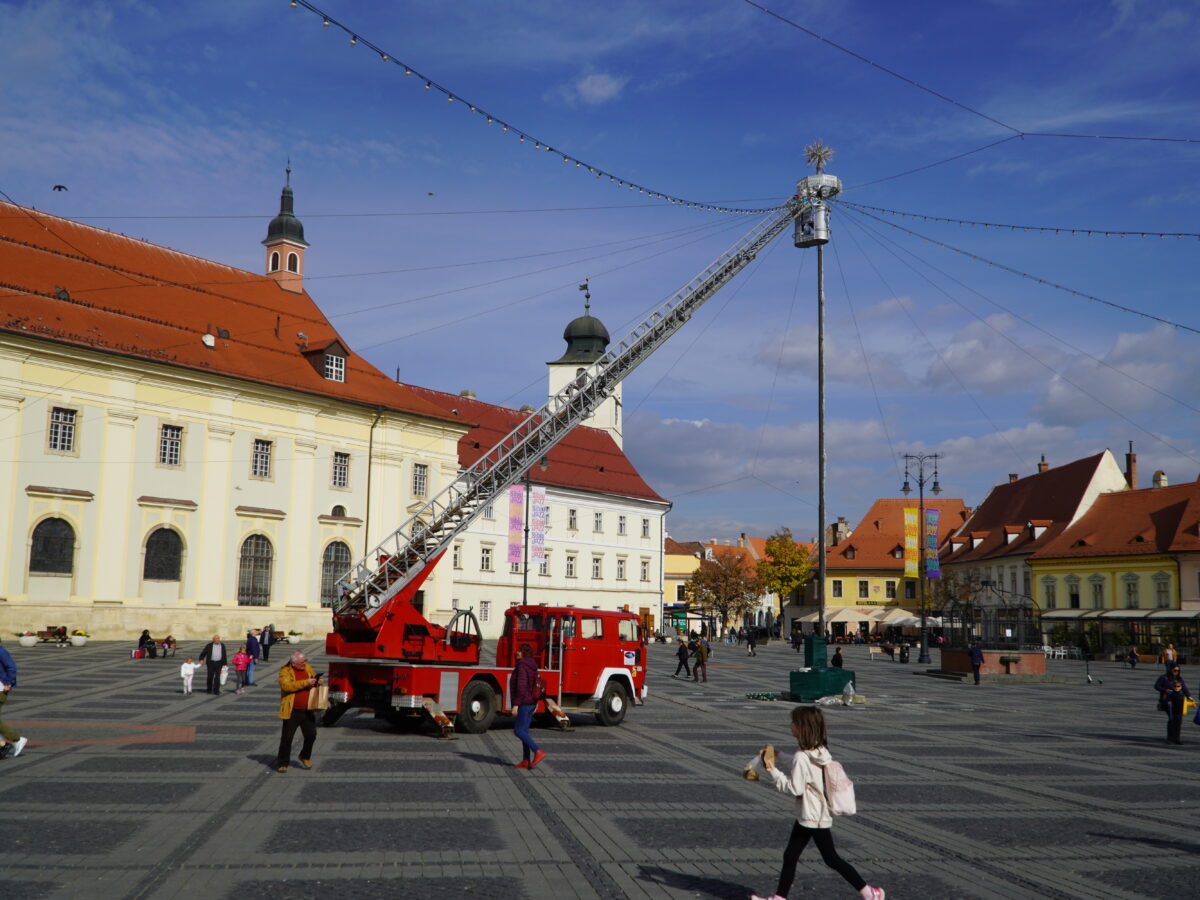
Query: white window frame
62, 431
835, 588
420, 479
456, 556
486, 558
261, 452
621, 525
170, 446
597, 522
485, 611
572, 520
645, 570
571, 560
620, 568
597, 567
335, 367
645, 528
339, 473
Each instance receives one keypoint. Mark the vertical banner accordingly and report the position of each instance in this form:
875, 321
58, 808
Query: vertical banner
537, 525
933, 568
911, 543
516, 522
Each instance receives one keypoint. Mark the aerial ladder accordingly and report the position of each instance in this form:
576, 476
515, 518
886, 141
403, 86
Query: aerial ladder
375, 618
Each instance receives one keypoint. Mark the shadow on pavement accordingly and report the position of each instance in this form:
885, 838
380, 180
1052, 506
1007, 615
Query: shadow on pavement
1141, 740
700, 884
486, 760
1177, 846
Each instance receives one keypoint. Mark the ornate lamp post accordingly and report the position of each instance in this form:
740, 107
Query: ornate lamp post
919, 460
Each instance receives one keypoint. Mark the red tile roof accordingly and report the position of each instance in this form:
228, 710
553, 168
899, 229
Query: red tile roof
882, 531
1049, 498
587, 459
1130, 523
674, 547
69, 283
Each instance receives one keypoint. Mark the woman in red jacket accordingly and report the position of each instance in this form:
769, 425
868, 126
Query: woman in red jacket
523, 689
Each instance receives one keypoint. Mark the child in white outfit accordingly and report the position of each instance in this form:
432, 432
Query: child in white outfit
186, 671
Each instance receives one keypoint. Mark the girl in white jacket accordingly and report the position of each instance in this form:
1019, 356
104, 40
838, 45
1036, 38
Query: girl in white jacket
806, 782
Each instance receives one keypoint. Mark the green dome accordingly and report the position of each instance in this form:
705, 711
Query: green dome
285, 226
586, 338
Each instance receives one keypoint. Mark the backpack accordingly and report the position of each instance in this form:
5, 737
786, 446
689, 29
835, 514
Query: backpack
839, 790
539, 688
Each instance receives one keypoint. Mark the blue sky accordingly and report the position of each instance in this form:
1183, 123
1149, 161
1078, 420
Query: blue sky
173, 122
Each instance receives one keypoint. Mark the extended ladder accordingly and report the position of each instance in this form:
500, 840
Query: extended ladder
417, 543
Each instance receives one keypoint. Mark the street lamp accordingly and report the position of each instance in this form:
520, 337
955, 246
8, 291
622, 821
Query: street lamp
919, 460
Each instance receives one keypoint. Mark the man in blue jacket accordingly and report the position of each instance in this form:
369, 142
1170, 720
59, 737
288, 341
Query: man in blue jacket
11, 743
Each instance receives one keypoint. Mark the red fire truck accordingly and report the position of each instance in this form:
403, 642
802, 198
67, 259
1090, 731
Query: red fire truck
391, 659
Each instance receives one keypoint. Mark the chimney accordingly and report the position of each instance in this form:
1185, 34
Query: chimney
742, 542
468, 393
1160, 479
1043, 465
1131, 468
1012, 477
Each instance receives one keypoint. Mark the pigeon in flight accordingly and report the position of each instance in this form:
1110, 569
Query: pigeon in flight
59, 187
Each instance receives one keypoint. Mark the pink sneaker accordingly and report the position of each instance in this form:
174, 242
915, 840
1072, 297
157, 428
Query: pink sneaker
872, 893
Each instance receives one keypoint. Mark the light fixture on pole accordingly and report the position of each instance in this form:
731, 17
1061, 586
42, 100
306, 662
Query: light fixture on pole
919, 460
812, 230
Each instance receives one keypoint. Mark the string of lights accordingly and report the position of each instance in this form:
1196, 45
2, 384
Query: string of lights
1017, 132
524, 137
1035, 278
1043, 229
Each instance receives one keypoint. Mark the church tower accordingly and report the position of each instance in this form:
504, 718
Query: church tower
587, 339
285, 243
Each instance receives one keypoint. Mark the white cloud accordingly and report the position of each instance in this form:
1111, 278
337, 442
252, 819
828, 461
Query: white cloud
987, 355
591, 89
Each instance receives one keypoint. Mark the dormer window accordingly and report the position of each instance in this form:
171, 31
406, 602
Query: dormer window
850, 553
335, 367
898, 552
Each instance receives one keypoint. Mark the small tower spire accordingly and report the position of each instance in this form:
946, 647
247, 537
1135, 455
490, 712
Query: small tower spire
285, 241
587, 297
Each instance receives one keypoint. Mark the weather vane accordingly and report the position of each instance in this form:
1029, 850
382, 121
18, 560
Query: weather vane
818, 154
587, 297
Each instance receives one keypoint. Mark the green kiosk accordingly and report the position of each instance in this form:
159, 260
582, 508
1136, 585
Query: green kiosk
817, 679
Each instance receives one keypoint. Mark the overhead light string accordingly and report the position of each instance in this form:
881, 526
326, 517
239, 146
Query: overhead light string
356, 38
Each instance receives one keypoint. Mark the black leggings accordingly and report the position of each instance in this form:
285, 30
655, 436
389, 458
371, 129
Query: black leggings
823, 837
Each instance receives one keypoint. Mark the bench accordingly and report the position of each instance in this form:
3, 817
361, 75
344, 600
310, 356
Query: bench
874, 650
50, 633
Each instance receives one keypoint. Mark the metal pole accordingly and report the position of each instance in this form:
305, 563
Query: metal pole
525, 577
821, 438
923, 657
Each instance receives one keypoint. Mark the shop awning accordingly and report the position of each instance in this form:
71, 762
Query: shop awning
1065, 613
1175, 614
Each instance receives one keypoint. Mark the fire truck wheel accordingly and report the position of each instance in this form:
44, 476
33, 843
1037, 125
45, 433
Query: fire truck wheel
478, 708
613, 703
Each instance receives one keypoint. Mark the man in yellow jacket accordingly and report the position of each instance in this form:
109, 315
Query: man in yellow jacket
296, 680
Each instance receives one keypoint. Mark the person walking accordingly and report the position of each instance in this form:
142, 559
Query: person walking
296, 679
241, 660
11, 743
265, 641
976, 657
187, 671
813, 820
1167, 656
254, 652
681, 653
1172, 691
523, 688
751, 643
215, 657
700, 666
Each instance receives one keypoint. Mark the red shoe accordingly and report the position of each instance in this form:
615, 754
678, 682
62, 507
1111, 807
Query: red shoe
537, 758
523, 764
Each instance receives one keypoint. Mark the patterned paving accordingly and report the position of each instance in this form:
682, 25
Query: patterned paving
997, 791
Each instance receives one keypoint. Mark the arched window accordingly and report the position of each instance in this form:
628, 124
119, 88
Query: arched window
339, 512
293, 262
275, 261
334, 563
53, 550
254, 571
164, 556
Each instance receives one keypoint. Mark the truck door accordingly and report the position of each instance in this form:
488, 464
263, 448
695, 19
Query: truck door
589, 654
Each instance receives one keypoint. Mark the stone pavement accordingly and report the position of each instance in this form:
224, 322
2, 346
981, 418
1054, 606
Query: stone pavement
129, 790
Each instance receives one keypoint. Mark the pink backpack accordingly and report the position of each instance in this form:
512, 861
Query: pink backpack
839, 790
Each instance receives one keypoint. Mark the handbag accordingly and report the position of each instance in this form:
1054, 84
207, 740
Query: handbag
318, 697
1189, 706
224, 674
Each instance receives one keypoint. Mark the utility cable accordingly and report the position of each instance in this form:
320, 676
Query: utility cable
1043, 229
895, 457
523, 136
1042, 363
940, 162
978, 406
1034, 278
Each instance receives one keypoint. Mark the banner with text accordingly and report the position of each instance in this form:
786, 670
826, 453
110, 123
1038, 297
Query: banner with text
911, 543
537, 525
933, 568
516, 522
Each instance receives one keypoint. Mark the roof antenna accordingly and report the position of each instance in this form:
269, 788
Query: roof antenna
587, 297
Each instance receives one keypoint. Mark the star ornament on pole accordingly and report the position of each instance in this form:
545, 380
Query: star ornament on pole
818, 154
